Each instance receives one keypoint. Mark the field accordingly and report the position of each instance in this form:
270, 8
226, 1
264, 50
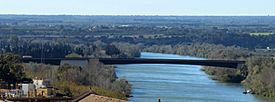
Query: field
262, 33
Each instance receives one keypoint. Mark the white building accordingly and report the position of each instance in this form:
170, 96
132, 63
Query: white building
41, 83
27, 87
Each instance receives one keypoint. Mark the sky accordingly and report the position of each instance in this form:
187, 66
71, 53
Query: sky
139, 7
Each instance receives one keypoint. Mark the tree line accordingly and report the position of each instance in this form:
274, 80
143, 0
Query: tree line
59, 48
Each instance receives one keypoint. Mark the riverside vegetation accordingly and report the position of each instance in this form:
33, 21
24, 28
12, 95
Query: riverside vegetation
70, 80
73, 80
256, 74
125, 36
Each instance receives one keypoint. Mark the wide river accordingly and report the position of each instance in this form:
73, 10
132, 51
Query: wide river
177, 83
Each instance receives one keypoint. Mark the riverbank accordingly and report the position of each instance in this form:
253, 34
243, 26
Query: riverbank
73, 80
224, 74
257, 74
173, 82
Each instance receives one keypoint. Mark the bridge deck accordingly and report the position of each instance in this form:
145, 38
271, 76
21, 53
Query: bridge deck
215, 63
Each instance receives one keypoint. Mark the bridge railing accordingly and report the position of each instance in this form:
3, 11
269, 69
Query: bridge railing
215, 63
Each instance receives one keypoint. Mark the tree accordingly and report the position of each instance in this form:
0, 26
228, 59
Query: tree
10, 69
71, 73
112, 50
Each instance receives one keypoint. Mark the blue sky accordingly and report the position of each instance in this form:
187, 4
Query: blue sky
138, 7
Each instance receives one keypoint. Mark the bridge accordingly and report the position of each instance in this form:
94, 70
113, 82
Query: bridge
214, 63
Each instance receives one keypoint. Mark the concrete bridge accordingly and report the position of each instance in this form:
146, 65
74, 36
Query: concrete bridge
214, 63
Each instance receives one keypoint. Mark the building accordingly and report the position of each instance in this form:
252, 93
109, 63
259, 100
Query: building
4, 85
27, 87
45, 92
12, 90
88, 96
10, 93
41, 88
39, 83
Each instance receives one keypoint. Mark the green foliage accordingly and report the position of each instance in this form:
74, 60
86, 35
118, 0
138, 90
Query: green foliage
112, 50
127, 49
10, 69
34, 70
121, 85
73, 55
73, 80
104, 92
72, 89
207, 37
71, 73
257, 74
261, 77
204, 50
224, 74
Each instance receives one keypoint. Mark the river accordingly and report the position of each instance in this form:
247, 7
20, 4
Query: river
177, 83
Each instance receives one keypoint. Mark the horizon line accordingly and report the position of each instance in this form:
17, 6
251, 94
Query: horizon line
37, 14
